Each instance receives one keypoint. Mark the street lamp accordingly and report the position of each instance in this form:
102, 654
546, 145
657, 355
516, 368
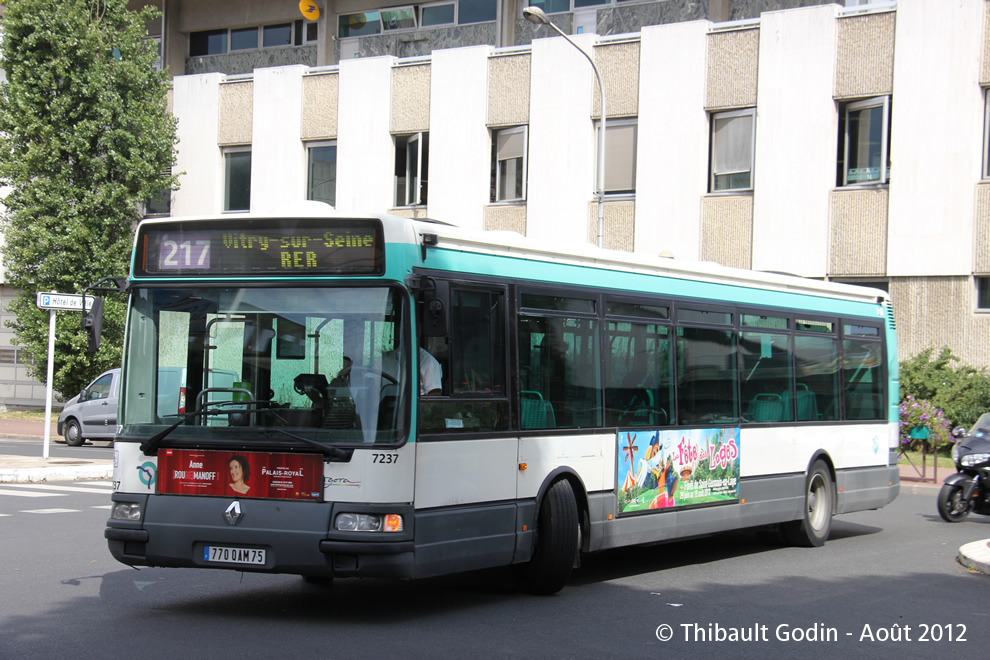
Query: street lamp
538, 16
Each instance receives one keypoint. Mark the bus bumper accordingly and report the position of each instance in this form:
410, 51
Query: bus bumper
296, 537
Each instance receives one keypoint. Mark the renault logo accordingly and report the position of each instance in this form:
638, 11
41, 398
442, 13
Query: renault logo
233, 513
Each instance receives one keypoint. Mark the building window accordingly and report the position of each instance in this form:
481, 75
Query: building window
732, 139
476, 11
312, 32
864, 144
321, 172
157, 40
244, 39
398, 18
983, 294
986, 134
509, 164
620, 155
210, 42
217, 42
411, 169
358, 25
237, 179
273, 36
160, 204
438, 14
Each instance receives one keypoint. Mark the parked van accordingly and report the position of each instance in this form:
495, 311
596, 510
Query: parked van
92, 414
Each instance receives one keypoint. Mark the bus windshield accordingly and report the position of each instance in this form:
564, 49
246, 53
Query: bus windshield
327, 364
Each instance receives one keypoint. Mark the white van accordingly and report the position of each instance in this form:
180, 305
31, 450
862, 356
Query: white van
92, 414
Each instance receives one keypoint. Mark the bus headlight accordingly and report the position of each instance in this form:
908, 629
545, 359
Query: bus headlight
126, 511
368, 522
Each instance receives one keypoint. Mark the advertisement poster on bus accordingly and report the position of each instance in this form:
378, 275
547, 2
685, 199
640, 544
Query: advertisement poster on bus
675, 468
240, 474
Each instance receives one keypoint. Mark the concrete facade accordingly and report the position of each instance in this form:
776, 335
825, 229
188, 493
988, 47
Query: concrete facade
796, 67
796, 64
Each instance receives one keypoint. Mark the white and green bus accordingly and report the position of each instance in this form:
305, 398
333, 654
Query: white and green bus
587, 400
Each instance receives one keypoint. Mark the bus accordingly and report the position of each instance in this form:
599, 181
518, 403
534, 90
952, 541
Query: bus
588, 399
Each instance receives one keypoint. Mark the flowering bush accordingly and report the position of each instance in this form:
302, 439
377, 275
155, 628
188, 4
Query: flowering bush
920, 413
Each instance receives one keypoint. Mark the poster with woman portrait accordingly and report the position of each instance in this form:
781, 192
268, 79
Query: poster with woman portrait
240, 474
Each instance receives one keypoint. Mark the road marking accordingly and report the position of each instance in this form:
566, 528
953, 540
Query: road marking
68, 489
27, 493
102, 506
50, 511
4, 515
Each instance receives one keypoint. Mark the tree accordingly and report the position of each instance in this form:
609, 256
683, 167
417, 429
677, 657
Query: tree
85, 138
962, 392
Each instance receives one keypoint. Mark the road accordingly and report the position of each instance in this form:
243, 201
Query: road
33, 447
884, 574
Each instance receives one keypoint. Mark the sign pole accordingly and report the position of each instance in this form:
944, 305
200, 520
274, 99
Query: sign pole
48, 386
52, 301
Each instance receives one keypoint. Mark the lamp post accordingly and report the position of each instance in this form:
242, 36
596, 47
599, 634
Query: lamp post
538, 16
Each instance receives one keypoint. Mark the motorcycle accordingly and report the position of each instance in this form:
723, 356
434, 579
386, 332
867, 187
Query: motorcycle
968, 490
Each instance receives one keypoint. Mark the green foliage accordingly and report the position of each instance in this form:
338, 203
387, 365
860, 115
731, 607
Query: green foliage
84, 139
961, 392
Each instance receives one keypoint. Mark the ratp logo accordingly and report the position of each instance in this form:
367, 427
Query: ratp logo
148, 474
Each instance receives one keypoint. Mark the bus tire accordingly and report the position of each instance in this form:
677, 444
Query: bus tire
556, 544
812, 529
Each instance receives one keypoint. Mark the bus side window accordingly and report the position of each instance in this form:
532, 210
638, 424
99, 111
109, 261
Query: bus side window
558, 360
862, 374
706, 375
817, 376
766, 377
473, 362
638, 388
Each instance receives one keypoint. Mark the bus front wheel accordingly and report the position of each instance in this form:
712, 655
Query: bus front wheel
556, 544
812, 529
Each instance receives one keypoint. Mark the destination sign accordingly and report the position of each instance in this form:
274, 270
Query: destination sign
303, 246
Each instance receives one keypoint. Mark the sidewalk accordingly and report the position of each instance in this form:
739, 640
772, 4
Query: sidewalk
32, 469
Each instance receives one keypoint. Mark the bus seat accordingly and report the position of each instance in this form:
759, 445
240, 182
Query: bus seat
535, 413
642, 410
766, 408
807, 408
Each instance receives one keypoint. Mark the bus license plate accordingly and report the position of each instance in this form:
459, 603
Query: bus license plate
225, 555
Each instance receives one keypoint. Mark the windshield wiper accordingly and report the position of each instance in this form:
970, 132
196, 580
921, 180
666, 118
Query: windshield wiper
335, 454
149, 445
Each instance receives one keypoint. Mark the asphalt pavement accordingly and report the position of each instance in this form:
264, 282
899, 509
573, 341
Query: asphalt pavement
33, 469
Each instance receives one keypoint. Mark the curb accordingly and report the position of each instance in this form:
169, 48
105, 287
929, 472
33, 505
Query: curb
916, 488
975, 556
67, 473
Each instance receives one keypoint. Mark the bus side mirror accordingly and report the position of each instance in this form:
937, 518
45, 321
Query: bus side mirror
92, 323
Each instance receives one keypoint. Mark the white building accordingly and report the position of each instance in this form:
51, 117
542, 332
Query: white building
845, 143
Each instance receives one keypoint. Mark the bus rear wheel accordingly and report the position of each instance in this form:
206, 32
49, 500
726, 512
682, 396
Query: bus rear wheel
812, 529
556, 544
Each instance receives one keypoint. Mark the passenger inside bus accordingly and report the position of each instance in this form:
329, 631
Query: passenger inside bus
430, 374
